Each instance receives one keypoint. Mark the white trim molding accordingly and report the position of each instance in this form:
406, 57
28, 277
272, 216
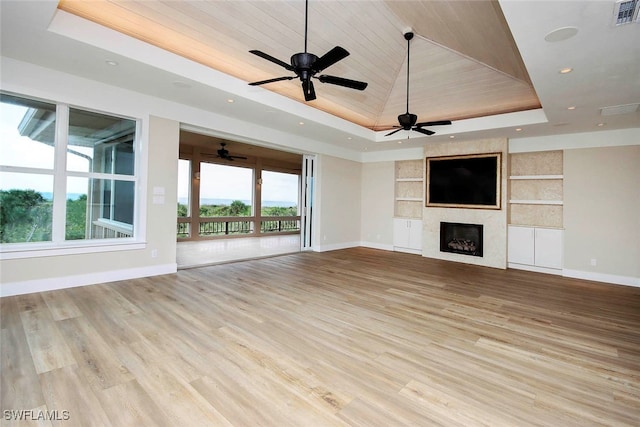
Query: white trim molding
336, 246
373, 245
50, 284
602, 277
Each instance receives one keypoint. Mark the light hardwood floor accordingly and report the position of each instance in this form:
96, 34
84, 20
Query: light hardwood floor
356, 337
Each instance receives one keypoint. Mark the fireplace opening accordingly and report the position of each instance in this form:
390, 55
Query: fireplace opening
459, 238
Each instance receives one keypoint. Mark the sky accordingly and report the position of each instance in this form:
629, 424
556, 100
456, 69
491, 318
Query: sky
232, 182
16, 150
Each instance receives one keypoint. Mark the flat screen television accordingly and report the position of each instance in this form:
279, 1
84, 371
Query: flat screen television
469, 181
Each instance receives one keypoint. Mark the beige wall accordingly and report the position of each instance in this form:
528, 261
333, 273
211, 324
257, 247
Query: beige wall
338, 203
376, 224
494, 221
602, 210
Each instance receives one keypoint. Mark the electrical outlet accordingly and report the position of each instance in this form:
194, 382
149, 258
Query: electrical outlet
594, 262
154, 253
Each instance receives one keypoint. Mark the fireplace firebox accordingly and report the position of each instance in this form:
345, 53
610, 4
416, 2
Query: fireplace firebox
459, 238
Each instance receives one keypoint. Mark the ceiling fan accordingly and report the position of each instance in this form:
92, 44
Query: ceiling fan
306, 65
407, 120
223, 153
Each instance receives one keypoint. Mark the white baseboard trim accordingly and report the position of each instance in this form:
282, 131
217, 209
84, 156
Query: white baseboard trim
602, 277
557, 272
50, 284
337, 246
407, 250
374, 245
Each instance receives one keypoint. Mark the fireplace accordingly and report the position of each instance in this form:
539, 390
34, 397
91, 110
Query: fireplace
459, 238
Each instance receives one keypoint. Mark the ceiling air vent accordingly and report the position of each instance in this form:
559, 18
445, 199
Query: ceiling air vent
625, 11
619, 109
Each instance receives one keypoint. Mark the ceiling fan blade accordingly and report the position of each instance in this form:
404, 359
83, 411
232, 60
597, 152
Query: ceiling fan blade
391, 133
424, 131
277, 79
352, 84
272, 59
437, 123
237, 157
330, 58
309, 91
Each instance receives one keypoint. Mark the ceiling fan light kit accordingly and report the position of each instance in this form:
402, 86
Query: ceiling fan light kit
306, 65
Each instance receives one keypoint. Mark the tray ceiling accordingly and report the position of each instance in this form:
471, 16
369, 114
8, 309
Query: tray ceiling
464, 62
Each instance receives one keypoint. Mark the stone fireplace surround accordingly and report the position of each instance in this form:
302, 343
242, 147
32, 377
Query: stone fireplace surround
494, 221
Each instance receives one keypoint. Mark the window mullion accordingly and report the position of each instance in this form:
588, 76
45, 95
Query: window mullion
59, 177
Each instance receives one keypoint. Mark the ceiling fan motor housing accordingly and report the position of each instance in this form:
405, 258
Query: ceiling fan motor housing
407, 120
302, 64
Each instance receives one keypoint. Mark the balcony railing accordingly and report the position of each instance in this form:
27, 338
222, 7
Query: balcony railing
225, 226
278, 224
235, 226
107, 229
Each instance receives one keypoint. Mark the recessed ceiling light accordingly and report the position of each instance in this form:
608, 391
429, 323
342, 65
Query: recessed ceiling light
181, 85
399, 142
112, 63
566, 70
349, 138
573, 107
230, 101
518, 129
560, 34
300, 123
451, 136
601, 124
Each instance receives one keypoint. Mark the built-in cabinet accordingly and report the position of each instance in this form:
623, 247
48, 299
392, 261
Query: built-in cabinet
407, 235
535, 232
535, 248
408, 205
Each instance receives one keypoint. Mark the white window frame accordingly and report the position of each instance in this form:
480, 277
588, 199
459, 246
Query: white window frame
58, 245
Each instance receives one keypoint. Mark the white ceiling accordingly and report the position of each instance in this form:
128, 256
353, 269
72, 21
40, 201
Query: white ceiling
605, 61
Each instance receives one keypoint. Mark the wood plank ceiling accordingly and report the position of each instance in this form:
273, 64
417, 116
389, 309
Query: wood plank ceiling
464, 62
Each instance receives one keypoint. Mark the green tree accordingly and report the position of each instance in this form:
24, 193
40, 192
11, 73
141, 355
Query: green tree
76, 224
182, 210
25, 216
238, 208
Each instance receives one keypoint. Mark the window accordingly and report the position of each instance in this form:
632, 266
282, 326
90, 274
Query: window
184, 188
225, 190
279, 193
88, 194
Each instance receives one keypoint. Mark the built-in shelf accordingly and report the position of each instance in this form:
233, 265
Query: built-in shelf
529, 177
536, 189
409, 188
536, 202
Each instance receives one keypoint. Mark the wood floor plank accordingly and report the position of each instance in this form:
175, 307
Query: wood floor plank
128, 404
61, 305
20, 387
358, 337
95, 358
65, 389
48, 348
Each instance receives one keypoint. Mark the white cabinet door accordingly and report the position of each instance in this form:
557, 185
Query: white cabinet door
521, 245
548, 248
415, 234
407, 233
400, 233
